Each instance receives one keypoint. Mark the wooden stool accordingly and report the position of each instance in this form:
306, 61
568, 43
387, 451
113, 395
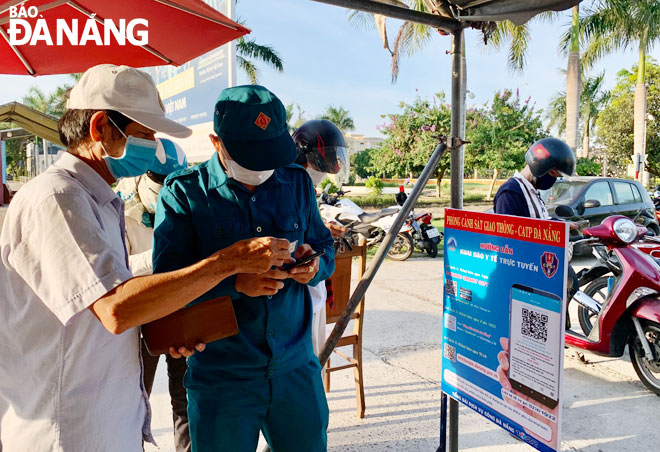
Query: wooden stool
341, 285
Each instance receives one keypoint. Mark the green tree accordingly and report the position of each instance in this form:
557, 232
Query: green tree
410, 38
16, 157
587, 167
616, 123
517, 37
53, 103
592, 100
410, 138
291, 124
361, 163
248, 51
620, 24
500, 140
41, 101
340, 117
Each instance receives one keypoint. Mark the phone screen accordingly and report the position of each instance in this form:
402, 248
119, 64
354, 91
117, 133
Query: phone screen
534, 343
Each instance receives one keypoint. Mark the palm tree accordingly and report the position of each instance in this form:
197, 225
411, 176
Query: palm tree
517, 36
616, 25
54, 103
339, 117
40, 101
592, 100
410, 38
290, 123
248, 50
573, 82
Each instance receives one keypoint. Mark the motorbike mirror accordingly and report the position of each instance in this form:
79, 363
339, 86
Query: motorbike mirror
564, 211
591, 203
646, 214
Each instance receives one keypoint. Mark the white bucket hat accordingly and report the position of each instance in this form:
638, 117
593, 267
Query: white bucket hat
128, 91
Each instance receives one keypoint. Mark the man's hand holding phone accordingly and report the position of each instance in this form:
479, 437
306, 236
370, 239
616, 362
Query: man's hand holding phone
304, 273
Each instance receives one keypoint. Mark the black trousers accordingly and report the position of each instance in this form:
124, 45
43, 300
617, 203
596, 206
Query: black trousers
176, 369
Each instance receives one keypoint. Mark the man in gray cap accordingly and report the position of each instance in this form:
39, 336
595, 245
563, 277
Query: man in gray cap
267, 377
69, 305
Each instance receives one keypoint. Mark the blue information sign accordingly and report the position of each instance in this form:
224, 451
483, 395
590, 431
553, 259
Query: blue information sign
503, 315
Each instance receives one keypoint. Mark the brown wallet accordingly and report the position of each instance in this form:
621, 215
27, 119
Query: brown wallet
205, 322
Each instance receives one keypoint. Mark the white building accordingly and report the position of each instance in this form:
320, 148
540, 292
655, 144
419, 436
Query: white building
356, 143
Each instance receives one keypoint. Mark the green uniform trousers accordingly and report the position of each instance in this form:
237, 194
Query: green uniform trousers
291, 411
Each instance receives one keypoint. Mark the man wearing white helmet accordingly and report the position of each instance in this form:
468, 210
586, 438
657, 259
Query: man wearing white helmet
140, 196
69, 305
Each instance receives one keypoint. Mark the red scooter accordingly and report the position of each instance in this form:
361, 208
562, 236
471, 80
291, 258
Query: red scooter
630, 312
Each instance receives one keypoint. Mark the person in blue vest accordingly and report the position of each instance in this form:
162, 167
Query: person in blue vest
266, 378
546, 160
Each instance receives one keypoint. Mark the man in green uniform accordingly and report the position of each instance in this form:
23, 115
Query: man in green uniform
266, 378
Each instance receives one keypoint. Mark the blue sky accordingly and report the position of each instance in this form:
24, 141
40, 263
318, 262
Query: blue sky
327, 61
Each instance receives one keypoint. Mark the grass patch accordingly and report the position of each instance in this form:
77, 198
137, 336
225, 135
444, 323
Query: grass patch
380, 201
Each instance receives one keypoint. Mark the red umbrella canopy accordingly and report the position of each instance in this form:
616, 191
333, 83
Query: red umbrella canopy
41, 37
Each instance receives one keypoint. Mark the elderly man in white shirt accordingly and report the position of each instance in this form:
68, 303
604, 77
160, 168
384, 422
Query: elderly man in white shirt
69, 306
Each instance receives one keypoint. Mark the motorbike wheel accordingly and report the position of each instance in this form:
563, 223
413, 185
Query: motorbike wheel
402, 248
647, 371
597, 290
431, 248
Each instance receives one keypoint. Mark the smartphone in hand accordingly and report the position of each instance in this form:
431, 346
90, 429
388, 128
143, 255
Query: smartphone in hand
302, 261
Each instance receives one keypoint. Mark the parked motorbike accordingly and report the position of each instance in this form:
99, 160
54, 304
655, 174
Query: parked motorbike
425, 236
371, 227
629, 313
598, 279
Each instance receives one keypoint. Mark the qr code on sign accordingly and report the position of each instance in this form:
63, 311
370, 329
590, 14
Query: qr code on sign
450, 287
450, 352
534, 325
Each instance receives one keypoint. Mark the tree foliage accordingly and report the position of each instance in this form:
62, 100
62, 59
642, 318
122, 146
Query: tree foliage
615, 122
500, 133
503, 133
587, 167
593, 99
340, 117
291, 124
361, 163
410, 137
248, 51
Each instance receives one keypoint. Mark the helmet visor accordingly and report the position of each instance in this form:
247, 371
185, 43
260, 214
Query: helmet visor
328, 159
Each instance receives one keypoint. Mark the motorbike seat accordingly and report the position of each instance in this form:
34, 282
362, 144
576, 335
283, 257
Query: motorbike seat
375, 216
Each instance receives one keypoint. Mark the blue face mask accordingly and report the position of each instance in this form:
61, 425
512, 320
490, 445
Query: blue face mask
138, 156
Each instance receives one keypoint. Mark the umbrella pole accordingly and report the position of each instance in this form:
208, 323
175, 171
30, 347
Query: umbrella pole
458, 78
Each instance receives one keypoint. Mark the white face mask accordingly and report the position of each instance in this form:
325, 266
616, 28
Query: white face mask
317, 176
246, 176
148, 191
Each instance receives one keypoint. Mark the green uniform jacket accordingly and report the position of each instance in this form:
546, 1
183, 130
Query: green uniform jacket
200, 211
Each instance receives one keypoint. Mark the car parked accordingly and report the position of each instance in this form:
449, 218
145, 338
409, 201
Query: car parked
596, 198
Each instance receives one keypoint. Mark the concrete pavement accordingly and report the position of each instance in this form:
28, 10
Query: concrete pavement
606, 408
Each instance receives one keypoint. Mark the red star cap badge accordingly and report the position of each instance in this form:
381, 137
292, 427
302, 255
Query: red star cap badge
262, 121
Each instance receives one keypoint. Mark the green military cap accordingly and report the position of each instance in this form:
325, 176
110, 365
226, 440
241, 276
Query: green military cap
251, 121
